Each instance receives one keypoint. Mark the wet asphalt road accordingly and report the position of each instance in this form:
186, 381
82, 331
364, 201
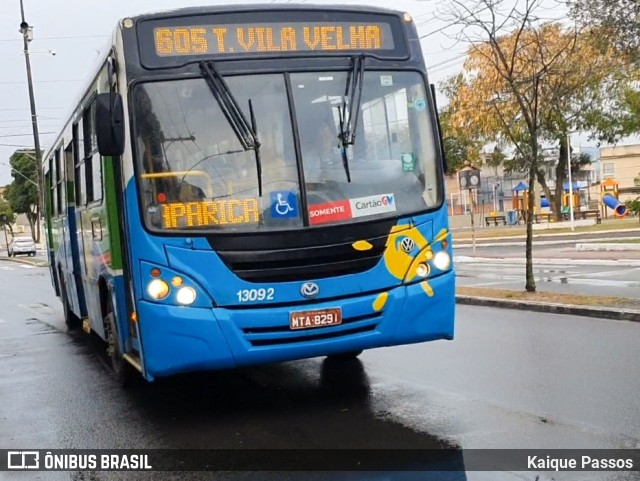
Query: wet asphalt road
605, 280
509, 380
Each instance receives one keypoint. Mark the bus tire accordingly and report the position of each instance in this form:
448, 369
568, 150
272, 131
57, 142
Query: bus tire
72, 321
344, 356
124, 373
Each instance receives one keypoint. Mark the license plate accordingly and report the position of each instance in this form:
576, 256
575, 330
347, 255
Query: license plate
317, 318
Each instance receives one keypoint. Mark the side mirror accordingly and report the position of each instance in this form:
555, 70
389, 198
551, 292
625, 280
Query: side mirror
110, 124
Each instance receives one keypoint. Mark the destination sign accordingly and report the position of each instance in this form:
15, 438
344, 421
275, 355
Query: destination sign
272, 37
180, 215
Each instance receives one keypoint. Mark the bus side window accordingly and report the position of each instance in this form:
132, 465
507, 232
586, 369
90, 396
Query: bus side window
67, 162
52, 186
79, 173
92, 159
59, 176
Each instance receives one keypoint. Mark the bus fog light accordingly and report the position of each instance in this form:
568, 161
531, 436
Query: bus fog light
158, 289
442, 260
186, 296
422, 270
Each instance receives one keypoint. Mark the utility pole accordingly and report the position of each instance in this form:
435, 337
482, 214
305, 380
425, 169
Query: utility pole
27, 32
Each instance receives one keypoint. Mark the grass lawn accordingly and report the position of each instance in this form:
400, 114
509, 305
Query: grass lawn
551, 297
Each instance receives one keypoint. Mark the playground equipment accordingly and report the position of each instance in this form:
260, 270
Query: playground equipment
619, 209
544, 203
609, 192
566, 200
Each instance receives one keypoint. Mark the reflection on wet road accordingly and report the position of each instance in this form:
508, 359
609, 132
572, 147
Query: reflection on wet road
510, 379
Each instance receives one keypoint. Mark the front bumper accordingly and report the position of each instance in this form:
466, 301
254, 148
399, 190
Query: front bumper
23, 250
178, 339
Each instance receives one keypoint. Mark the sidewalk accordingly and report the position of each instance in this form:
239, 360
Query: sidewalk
584, 306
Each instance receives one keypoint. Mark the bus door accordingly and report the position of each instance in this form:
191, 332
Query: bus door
93, 239
73, 278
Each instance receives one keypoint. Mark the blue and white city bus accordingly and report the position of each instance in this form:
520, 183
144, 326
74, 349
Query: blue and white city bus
250, 184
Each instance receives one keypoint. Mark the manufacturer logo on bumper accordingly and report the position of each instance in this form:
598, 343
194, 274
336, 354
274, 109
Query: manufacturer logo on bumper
310, 290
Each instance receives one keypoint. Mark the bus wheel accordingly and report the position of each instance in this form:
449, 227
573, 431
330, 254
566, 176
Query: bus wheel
72, 321
122, 370
345, 356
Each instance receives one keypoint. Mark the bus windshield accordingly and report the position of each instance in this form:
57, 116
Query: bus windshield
196, 174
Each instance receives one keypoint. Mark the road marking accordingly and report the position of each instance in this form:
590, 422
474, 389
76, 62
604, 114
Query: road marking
27, 266
6, 268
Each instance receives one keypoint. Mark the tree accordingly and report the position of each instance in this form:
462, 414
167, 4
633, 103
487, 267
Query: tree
22, 193
7, 216
458, 149
574, 94
617, 22
633, 206
614, 26
511, 65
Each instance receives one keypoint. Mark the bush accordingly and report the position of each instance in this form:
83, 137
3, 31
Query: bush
633, 206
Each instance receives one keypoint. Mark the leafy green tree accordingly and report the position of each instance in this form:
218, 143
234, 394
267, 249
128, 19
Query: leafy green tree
633, 206
7, 216
22, 193
459, 149
617, 21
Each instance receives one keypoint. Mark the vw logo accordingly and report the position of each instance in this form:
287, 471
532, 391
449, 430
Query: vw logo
310, 290
407, 244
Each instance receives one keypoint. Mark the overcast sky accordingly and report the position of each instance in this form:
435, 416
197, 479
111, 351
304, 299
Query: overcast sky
77, 30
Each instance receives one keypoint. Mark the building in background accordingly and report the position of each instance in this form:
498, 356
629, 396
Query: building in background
622, 164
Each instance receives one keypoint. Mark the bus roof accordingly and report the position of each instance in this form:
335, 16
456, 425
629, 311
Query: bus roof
260, 7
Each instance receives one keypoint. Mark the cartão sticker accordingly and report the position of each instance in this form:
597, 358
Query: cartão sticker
375, 204
284, 204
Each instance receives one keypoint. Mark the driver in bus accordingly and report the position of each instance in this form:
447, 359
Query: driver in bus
323, 153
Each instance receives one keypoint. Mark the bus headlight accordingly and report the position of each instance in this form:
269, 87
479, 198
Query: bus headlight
442, 260
158, 289
422, 270
186, 296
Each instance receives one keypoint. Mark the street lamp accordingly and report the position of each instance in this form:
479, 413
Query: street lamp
27, 36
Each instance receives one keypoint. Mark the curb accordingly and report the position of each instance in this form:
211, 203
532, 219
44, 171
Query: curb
574, 310
35, 263
564, 262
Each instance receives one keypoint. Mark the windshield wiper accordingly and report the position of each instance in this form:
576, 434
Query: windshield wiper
247, 133
352, 98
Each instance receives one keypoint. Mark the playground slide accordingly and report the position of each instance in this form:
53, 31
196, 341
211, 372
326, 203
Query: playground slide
619, 209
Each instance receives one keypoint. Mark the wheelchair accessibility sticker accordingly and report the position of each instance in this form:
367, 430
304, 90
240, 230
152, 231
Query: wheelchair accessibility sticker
284, 205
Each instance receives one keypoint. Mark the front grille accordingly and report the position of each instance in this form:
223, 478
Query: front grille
303, 255
279, 335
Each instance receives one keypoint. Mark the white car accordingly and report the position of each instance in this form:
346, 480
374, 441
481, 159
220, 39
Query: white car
22, 245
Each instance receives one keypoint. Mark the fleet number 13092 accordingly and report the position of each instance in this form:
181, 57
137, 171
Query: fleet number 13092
250, 295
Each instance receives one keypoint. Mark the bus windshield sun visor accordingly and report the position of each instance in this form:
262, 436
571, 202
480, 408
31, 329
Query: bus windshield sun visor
246, 133
352, 98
